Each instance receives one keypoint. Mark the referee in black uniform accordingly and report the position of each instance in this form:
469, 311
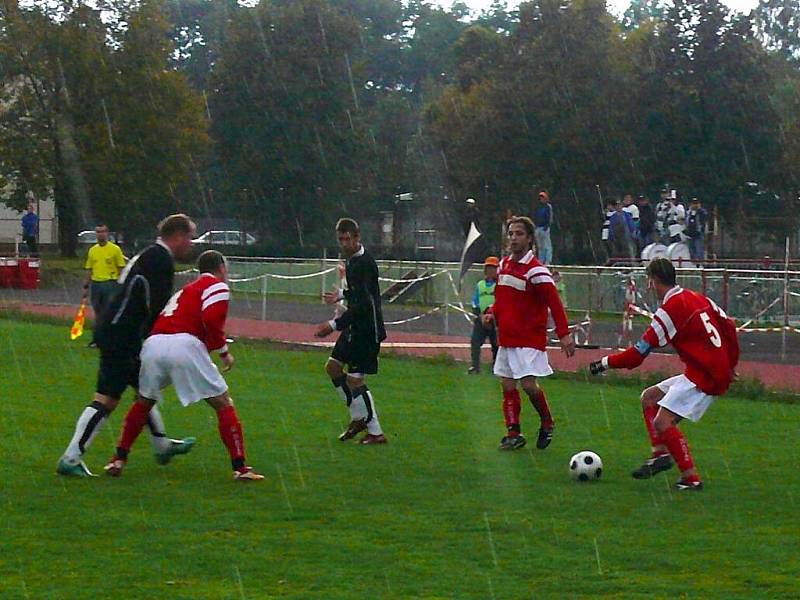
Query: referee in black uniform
145, 289
362, 332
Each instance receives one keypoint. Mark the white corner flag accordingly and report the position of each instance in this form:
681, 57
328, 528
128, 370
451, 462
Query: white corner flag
473, 251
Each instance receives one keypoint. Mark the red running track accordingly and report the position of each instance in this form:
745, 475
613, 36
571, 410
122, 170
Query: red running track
773, 375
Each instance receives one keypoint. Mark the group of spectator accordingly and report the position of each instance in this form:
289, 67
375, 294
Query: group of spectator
631, 225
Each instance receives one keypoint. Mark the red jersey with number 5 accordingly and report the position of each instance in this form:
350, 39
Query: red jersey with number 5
702, 334
200, 309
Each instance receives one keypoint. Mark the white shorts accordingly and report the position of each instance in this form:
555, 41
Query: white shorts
516, 363
684, 398
182, 360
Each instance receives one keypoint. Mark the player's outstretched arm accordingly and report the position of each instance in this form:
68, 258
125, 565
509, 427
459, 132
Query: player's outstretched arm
628, 359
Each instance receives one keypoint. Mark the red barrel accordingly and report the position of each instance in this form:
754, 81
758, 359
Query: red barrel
8, 272
28, 274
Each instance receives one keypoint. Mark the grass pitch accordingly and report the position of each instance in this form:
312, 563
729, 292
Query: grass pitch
438, 513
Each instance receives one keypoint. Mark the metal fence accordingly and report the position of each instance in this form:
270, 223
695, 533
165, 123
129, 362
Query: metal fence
755, 295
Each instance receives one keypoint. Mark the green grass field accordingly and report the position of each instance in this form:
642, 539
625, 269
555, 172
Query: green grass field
438, 513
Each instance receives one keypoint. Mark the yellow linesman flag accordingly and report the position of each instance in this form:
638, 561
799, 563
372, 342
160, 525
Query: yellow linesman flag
80, 319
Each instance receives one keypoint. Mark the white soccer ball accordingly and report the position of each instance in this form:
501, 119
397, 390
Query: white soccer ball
585, 466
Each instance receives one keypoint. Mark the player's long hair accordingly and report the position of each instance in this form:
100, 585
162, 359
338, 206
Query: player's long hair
525, 222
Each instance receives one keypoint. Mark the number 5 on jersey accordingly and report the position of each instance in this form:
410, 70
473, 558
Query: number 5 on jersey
713, 332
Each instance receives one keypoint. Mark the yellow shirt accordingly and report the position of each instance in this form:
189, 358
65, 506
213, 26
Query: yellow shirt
105, 262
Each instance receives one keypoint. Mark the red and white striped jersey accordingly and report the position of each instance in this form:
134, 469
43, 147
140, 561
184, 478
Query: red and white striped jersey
524, 294
200, 309
701, 333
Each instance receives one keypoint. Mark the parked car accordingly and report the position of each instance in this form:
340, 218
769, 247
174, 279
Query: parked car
225, 238
89, 237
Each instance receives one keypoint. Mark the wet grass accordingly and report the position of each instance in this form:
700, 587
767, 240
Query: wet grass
438, 513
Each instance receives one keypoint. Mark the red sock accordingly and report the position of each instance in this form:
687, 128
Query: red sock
679, 449
134, 422
539, 401
511, 410
230, 430
650, 413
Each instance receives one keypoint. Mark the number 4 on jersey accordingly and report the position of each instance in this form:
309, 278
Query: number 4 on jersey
172, 305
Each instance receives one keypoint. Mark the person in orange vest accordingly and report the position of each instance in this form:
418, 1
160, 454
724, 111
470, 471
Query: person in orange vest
482, 300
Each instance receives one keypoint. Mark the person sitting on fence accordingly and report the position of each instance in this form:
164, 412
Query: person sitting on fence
482, 300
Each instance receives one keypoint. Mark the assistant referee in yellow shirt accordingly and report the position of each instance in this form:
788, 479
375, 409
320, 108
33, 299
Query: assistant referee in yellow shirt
103, 263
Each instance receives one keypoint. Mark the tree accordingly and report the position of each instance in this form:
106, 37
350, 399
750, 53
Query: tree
778, 25
105, 127
288, 118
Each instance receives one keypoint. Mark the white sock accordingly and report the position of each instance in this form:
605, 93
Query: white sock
358, 409
88, 426
373, 425
158, 436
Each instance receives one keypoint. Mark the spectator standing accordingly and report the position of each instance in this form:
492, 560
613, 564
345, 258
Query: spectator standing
676, 219
604, 234
30, 229
629, 206
621, 233
696, 220
662, 214
543, 220
647, 221
482, 300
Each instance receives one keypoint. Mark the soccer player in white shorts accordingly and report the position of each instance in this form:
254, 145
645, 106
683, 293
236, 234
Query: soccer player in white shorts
191, 326
525, 295
706, 341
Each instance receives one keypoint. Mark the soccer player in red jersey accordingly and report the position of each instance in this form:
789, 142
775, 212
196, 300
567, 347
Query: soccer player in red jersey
524, 295
706, 342
191, 326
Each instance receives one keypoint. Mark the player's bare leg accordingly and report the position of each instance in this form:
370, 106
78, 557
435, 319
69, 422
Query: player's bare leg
539, 402
660, 459
230, 431
666, 424
89, 424
513, 440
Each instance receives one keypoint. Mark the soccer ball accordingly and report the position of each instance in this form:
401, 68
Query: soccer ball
585, 466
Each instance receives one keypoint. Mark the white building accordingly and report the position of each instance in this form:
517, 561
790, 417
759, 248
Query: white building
11, 223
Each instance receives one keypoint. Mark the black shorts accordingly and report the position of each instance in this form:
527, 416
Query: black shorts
360, 355
118, 370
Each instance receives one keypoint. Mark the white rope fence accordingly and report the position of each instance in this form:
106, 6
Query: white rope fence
266, 275
415, 279
744, 328
414, 318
